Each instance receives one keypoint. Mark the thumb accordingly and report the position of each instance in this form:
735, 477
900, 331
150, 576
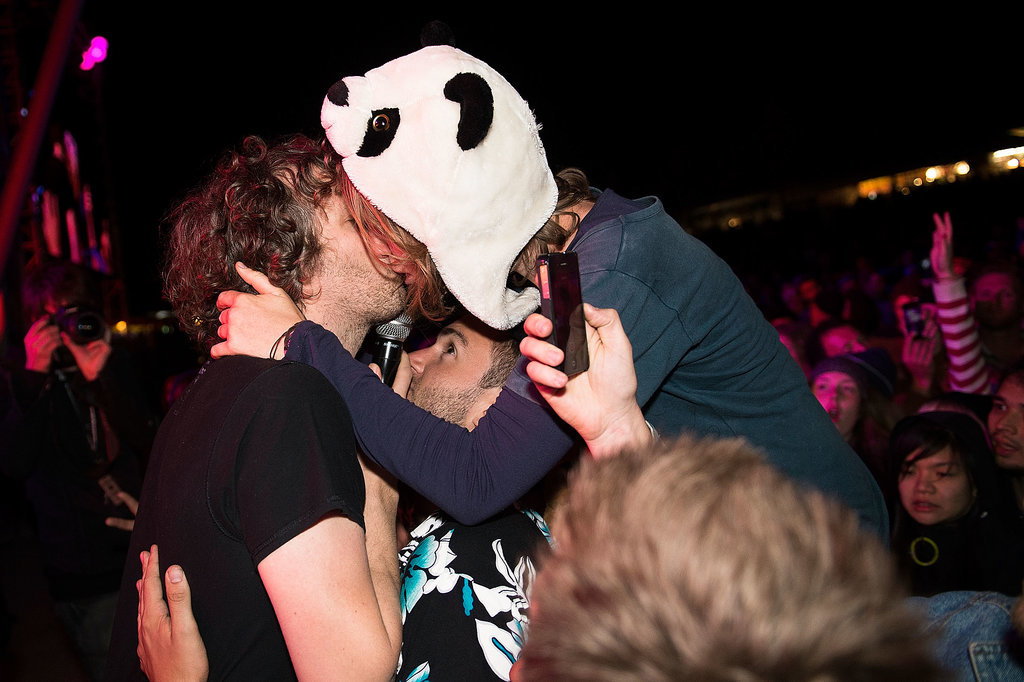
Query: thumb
600, 317
179, 595
256, 279
403, 376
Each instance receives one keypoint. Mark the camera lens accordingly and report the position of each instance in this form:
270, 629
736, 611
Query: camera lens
81, 324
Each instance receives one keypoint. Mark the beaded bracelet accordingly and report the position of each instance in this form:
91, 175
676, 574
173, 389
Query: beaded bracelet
287, 338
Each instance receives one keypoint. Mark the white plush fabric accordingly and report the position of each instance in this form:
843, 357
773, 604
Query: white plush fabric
473, 209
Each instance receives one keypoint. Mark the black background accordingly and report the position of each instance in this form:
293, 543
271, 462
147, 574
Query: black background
692, 106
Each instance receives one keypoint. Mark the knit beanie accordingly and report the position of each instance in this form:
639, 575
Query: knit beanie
871, 368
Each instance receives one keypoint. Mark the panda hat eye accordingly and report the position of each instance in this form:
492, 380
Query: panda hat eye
380, 131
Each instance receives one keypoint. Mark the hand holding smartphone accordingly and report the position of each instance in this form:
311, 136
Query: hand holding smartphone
561, 301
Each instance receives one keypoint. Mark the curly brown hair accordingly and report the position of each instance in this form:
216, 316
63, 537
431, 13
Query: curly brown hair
262, 205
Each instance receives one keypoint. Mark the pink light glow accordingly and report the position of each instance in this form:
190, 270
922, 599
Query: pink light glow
96, 53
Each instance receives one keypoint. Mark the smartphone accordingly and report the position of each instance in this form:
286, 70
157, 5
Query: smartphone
110, 489
561, 301
913, 318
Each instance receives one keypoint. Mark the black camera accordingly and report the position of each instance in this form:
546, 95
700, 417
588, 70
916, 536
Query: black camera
81, 323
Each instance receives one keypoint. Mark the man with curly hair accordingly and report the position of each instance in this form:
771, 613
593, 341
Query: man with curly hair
254, 484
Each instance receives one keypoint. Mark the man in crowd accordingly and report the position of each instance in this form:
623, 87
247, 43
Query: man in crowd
465, 589
76, 427
254, 485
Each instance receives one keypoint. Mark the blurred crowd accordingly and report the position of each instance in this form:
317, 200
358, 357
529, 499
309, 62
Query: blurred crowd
920, 371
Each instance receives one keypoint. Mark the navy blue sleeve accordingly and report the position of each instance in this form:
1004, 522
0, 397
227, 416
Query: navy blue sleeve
472, 475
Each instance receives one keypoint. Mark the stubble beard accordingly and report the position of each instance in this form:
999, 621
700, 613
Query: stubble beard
360, 297
352, 316
451, 406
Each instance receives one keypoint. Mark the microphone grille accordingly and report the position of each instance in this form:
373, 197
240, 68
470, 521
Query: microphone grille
397, 329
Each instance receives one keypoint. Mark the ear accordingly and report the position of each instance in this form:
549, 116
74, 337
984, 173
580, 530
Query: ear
473, 94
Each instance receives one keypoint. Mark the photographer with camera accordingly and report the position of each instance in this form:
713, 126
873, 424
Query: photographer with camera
76, 434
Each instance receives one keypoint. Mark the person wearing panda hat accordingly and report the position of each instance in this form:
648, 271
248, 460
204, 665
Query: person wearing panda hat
444, 147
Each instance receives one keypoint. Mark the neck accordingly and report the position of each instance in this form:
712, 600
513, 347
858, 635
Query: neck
1018, 489
352, 338
349, 331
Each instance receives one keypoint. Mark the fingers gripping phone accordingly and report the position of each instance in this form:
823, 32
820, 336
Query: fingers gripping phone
561, 301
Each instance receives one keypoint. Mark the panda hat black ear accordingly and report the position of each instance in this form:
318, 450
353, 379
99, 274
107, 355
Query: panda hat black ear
468, 89
443, 145
437, 32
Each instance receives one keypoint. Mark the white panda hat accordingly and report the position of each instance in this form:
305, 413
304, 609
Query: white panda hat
445, 147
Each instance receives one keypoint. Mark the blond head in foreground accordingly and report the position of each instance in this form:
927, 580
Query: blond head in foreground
695, 559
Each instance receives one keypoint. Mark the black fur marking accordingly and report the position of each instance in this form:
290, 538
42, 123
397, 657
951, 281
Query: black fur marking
437, 33
375, 141
477, 107
338, 94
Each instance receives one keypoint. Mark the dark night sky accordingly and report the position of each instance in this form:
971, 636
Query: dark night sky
693, 109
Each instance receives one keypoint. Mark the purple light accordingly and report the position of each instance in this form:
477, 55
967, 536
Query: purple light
98, 48
96, 53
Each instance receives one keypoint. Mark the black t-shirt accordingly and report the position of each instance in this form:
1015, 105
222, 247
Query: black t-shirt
254, 453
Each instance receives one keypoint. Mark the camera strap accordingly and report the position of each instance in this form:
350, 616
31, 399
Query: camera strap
94, 426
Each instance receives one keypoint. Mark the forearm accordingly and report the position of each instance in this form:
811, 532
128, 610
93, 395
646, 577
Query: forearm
382, 553
968, 370
470, 475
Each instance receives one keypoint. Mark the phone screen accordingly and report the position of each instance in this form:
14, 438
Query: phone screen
561, 301
913, 318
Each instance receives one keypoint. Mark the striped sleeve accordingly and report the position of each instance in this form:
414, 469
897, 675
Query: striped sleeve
969, 372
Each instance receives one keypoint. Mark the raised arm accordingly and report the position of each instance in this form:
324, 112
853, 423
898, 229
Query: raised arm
968, 371
471, 475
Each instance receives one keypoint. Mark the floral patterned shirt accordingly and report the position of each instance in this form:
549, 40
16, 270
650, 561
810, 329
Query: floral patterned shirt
465, 595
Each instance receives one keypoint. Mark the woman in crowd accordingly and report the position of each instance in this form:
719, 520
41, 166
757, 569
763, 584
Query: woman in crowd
948, 533
856, 390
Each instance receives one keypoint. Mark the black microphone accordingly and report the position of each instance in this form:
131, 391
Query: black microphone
387, 347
